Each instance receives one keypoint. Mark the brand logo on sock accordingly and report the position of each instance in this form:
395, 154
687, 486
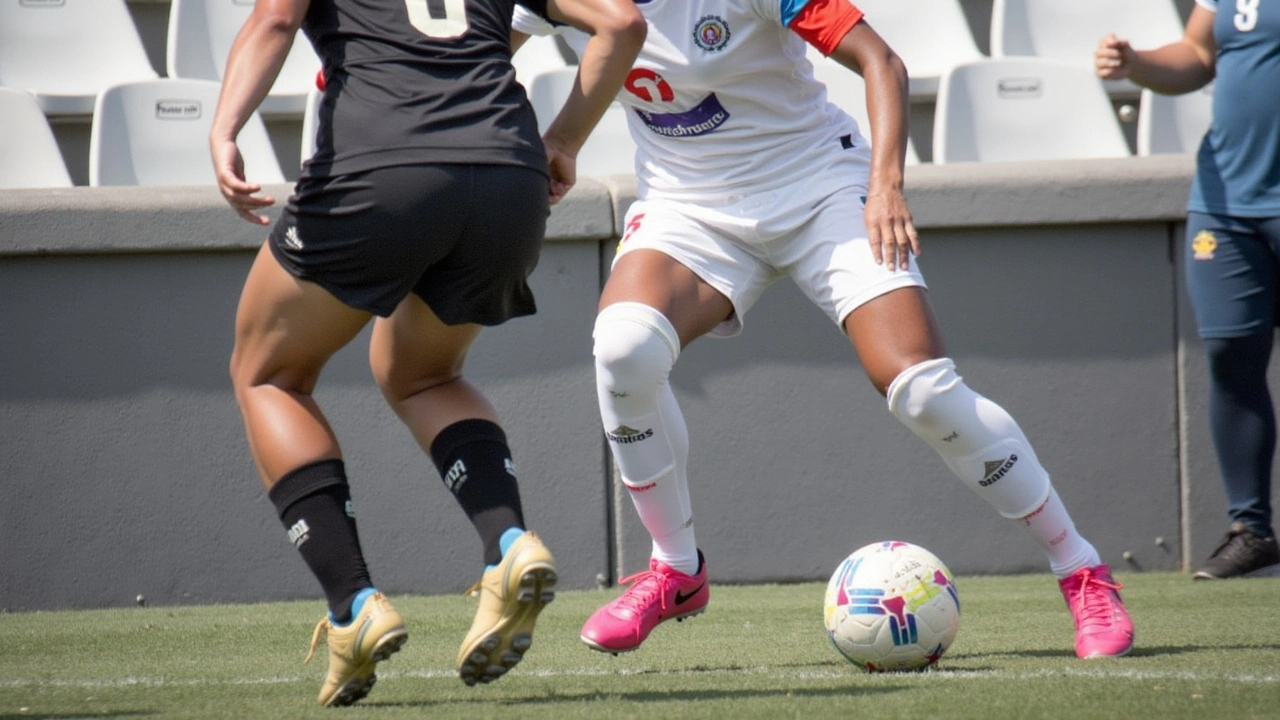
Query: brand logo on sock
993, 470
624, 435
510, 466
682, 598
456, 477
350, 509
640, 488
298, 533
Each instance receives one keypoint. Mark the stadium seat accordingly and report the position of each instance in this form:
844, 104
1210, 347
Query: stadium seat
846, 90
929, 35
65, 52
1173, 123
1023, 109
199, 40
609, 150
29, 155
157, 133
538, 54
310, 124
1068, 31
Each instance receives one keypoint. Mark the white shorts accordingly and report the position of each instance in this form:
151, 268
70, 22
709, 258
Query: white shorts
812, 232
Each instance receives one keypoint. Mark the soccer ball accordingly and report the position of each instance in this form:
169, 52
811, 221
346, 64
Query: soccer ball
892, 606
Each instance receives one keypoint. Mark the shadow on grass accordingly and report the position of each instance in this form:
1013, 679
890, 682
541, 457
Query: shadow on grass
1138, 651
654, 696
78, 715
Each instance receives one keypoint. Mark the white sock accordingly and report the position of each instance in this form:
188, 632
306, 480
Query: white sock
985, 448
1050, 525
635, 349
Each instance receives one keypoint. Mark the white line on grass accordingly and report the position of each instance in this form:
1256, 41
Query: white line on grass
933, 675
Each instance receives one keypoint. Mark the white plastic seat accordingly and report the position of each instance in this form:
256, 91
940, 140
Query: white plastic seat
157, 133
930, 36
29, 154
65, 52
1024, 109
1173, 123
847, 91
199, 40
1069, 30
310, 124
538, 54
609, 150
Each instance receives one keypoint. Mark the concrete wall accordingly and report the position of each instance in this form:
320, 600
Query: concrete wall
126, 472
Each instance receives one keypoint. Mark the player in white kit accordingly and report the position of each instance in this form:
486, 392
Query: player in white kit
747, 175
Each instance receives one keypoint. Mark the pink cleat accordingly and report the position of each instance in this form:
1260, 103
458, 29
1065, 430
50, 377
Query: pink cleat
1103, 626
662, 593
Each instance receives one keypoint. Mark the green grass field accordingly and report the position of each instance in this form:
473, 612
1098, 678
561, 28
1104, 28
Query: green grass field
1204, 650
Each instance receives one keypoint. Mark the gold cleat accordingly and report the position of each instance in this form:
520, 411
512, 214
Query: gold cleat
373, 635
511, 596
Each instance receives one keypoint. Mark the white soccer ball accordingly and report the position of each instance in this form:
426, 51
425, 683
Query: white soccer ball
892, 606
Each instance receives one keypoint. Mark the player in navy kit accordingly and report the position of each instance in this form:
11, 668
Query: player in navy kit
748, 175
424, 205
1232, 252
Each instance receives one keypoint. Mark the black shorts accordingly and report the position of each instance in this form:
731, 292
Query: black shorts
464, 238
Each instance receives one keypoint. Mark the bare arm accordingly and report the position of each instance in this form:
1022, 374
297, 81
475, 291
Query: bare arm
889, 225
617, 33
255, 59
1172, 69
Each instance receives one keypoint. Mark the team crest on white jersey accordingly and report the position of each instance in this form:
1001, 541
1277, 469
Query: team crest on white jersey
711, 33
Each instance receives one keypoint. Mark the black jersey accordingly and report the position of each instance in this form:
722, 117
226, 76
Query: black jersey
419, 81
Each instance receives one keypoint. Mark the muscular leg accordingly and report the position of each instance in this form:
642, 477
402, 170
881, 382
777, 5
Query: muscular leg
286, 329
417, 360
897, 340
651, 307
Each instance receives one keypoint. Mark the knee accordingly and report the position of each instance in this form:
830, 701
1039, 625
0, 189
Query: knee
913, 395
635, 347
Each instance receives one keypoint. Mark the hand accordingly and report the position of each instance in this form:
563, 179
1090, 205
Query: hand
890, 229
564, 170
228, 165
1113, 58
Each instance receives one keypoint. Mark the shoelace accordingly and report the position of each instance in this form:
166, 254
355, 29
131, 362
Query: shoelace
323, 625
647, 583
1092, 603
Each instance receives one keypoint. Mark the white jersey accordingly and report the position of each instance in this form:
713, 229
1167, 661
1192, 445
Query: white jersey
722, 98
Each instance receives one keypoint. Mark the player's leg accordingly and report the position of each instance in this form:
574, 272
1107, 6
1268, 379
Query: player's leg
487, 224
1232, 282
887, 316
658, 299
286, 329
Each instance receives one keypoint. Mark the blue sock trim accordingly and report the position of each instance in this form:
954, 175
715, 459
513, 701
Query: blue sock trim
356, 606
509, 538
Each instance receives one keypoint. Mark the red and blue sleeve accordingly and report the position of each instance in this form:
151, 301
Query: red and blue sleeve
822, 23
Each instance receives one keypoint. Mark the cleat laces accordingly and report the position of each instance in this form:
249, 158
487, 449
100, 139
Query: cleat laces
639, 596
1091, 604
321, 626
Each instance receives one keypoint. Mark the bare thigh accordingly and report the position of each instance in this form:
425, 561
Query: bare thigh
892, 332
659, 281
286, 328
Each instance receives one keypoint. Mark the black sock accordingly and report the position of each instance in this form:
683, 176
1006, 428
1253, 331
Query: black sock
475, 464
314, 503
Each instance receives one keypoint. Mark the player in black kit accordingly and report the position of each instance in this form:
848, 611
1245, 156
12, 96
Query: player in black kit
425, 206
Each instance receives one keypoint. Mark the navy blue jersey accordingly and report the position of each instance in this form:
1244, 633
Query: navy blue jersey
1238, 169
419, 81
